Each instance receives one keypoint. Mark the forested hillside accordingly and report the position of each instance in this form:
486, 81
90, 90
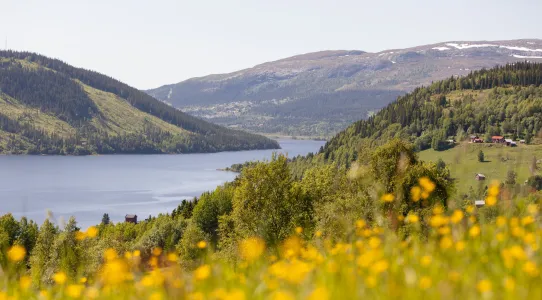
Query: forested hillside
504, 101
49, 107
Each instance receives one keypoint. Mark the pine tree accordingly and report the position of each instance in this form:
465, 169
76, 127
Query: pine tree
105, 219
41, 254
481, 157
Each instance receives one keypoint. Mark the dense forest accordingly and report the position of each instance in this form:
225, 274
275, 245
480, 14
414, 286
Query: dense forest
32, 86
504, 101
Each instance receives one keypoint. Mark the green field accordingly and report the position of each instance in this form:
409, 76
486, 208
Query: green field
462, 160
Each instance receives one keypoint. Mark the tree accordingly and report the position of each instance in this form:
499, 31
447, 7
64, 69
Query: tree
511, 177
481, 157
528, 137
441, 165
41, 254
389, 162
265, 189
105, 219
535, 182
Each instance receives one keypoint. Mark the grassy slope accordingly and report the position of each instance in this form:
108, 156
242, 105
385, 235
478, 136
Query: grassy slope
119, 116
464, 165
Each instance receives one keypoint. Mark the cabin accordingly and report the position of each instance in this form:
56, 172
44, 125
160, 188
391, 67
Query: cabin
522, 141
479, 203
130, 219
475, 139
480, 177
497, 139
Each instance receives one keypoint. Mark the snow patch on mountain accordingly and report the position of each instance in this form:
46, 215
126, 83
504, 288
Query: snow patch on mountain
521, 49
440, 48
524, 56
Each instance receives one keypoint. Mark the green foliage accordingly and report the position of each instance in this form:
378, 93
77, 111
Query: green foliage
481, 157
535, 182
210, 207
265, 188
390, 162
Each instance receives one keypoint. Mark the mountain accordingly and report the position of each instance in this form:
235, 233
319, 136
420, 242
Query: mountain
49, 107
504, 101
321, 93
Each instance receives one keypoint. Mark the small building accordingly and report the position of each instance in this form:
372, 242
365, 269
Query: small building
480, 177
522, 141
475, 139
479, 203
130, 219
451, 141
497, 139
513, 144
508, 142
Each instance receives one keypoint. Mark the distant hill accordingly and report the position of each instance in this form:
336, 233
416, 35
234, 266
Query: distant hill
49, 107
505, 101
322, 93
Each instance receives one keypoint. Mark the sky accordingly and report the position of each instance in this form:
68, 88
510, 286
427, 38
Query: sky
151, 43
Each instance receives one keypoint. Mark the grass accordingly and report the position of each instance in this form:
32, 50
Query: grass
118, 116
463, 163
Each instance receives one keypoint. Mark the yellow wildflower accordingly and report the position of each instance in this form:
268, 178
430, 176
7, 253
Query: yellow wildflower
445, 230
446, 242
527, 220
509, 284
282, 295
25, 282
202, 244
172, 257
412, 218
157, 251
531, 269
74, 290
319, 293
16, 253
380, 266
425, 283
438, 209
60, 277
426, 260
79, 235
318, 234
203, 272
484, 286
374, 242
474, 231
415, 193
137, 253
360, 223
92, 232
491, 200
110, 254
457, 216
493, 189
252, 248
387, 198
370, 281
114, 272
299, 230
156, 296
426, 183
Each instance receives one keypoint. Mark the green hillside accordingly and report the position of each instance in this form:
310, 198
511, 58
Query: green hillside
503, 101
49, 107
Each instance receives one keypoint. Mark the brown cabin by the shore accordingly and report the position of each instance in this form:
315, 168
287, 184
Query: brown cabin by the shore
130, 219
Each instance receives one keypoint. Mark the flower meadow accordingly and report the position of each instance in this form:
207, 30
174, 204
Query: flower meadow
490, 252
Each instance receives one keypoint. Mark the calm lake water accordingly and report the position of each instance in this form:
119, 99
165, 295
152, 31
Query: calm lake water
89, 186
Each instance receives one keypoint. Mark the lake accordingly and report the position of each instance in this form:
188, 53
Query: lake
89, 186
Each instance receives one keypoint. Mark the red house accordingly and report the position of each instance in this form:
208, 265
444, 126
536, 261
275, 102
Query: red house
497, 139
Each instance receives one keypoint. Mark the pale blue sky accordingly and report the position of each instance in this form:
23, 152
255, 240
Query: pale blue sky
150, 43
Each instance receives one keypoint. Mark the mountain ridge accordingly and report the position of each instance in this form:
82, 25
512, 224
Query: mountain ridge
50, 107
293, 95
